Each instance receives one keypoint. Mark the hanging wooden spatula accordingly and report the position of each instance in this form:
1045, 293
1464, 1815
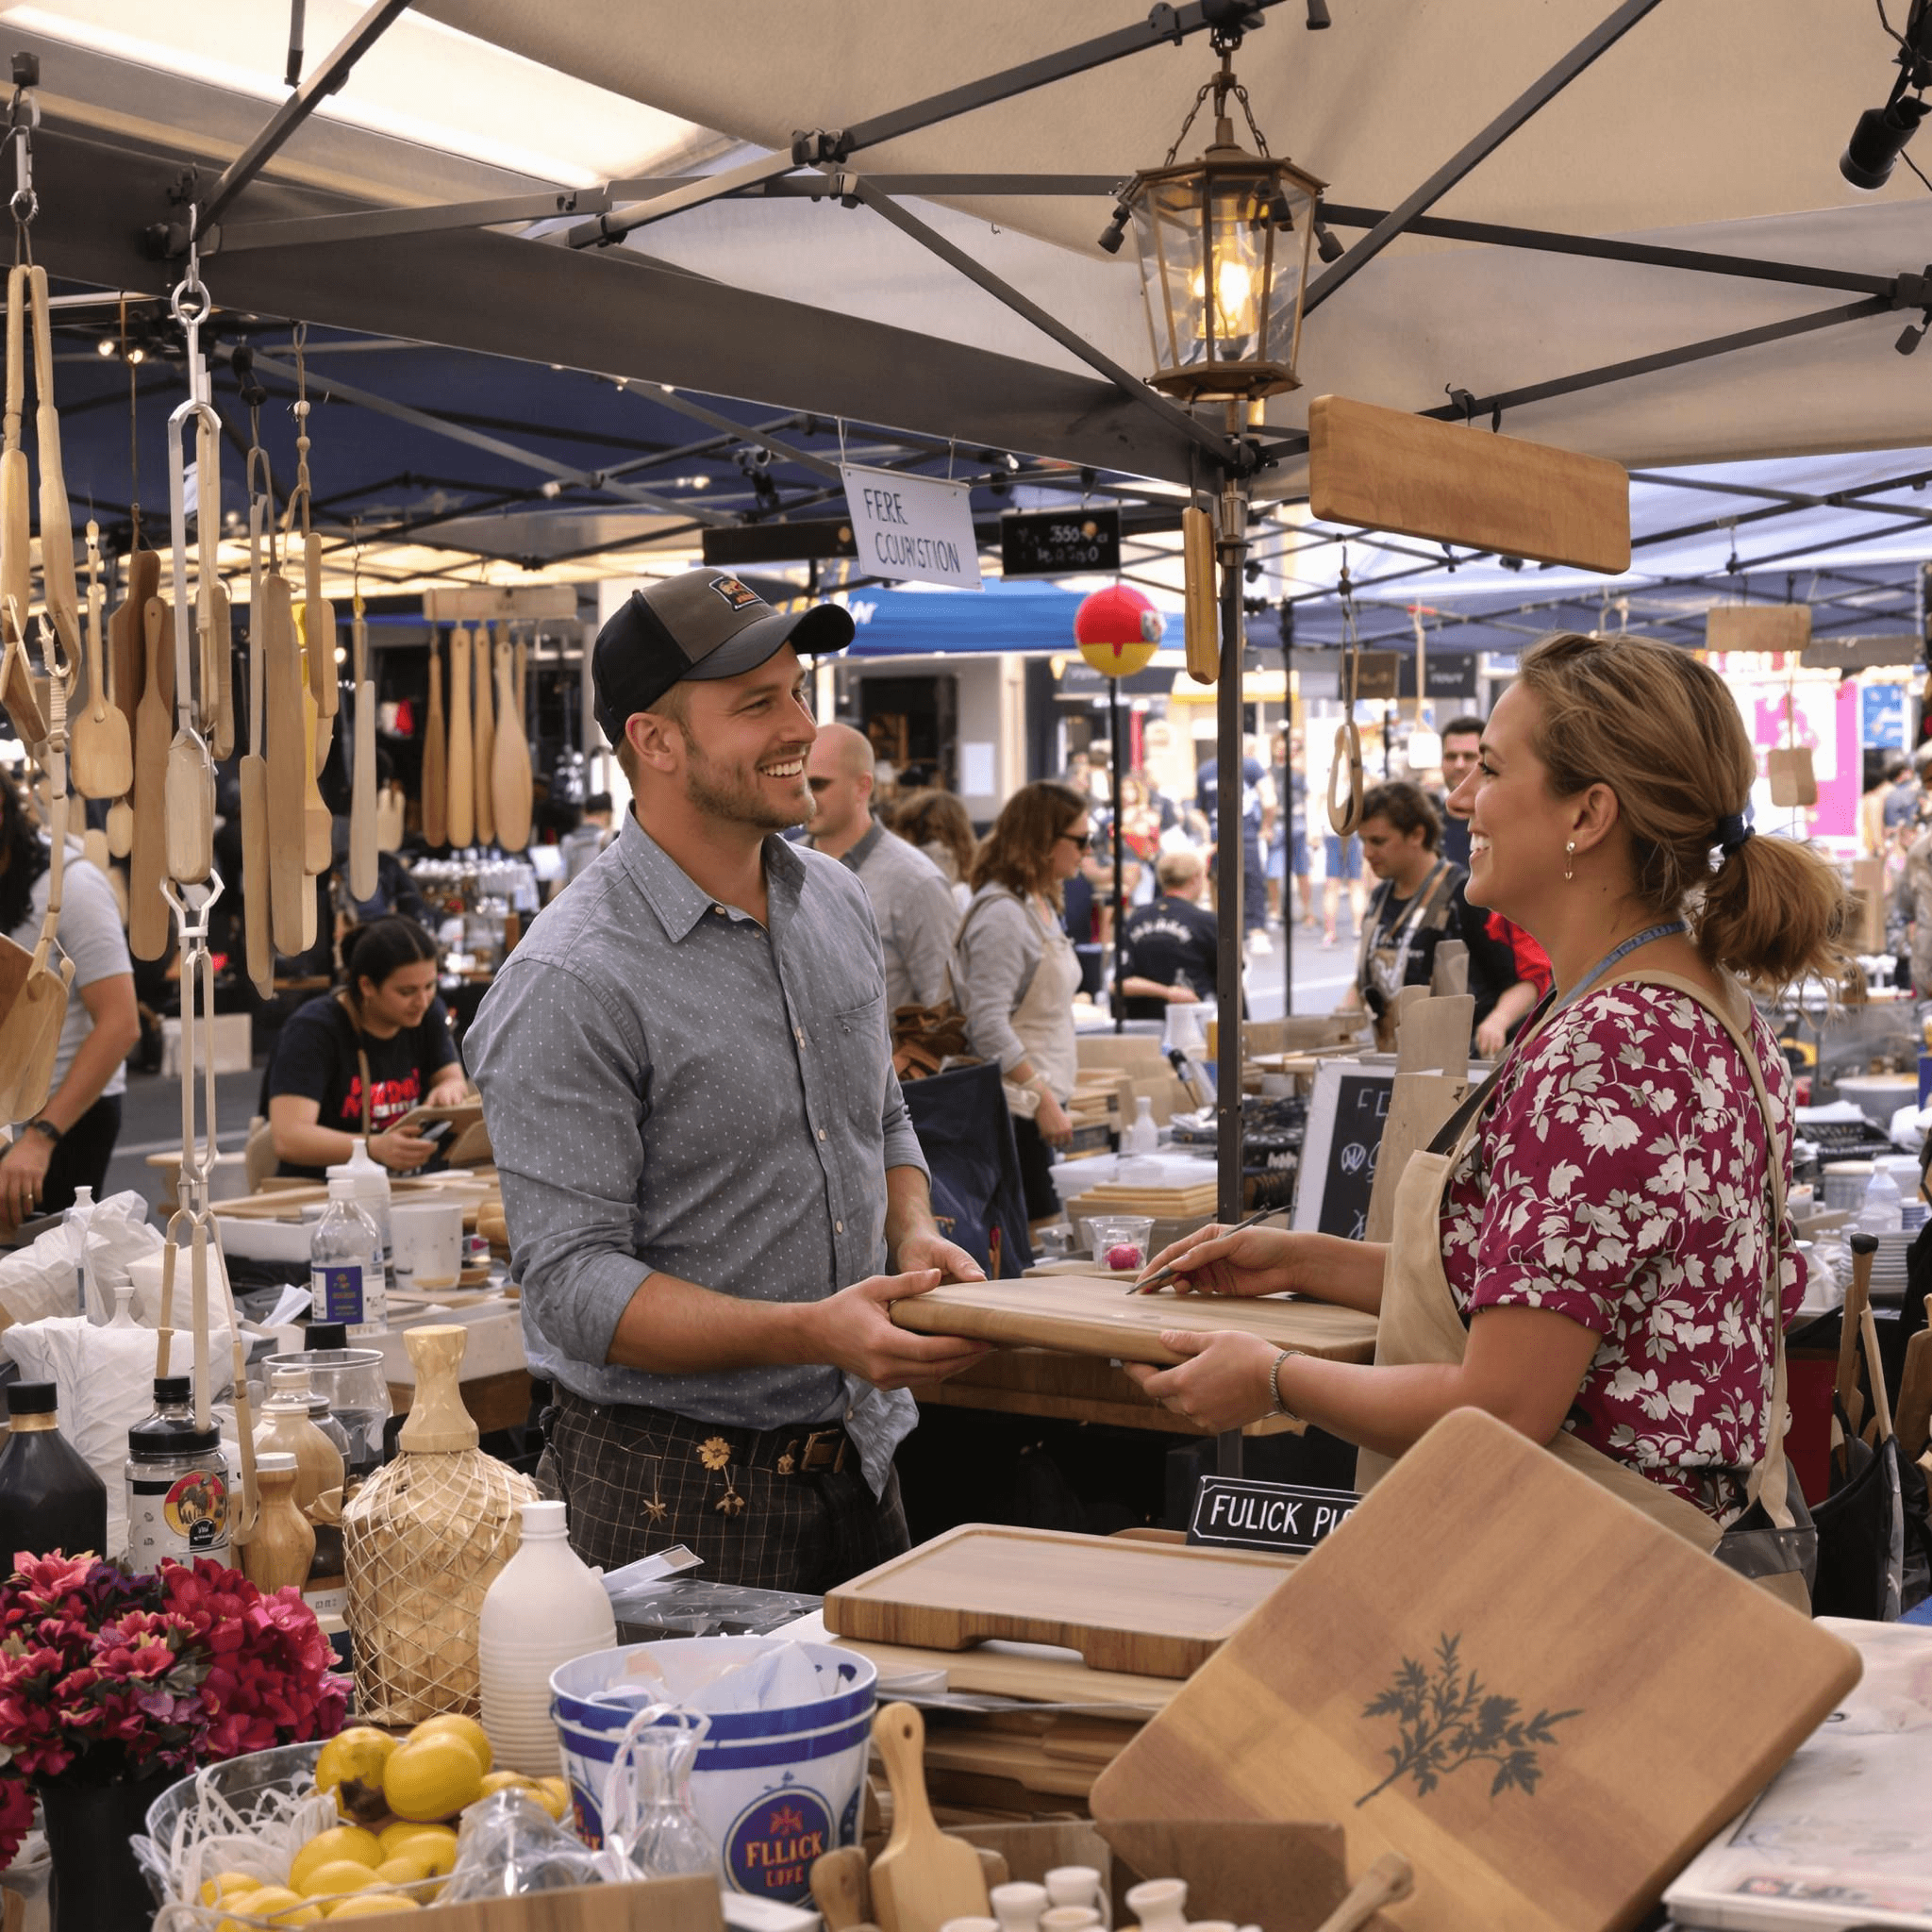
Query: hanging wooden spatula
56, 520
140, 577
101, 760
923, 1877
319, 634
484, 726
460, 802
258, 942
148, 930
510, 767
287, 763
362, 865
16, 482
435, 754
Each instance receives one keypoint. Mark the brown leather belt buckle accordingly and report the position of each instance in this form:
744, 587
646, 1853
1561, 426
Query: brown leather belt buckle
824, 1449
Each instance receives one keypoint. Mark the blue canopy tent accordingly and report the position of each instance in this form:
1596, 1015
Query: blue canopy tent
1033, 616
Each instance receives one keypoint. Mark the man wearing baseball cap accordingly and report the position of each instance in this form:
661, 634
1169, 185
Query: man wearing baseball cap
706, 1164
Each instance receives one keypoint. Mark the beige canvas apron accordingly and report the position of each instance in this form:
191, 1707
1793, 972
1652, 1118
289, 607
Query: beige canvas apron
1421, 1322
1044, 1017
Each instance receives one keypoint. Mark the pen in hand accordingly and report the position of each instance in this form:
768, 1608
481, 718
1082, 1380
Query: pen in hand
1168, 1274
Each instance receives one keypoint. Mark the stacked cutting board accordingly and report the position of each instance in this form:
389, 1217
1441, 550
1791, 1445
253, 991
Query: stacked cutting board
1039, 1655
476, 782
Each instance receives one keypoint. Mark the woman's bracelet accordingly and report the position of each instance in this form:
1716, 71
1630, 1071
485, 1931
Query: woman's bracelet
1275, 1385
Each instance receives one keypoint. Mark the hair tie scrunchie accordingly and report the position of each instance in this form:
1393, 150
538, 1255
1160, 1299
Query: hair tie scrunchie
1732, 832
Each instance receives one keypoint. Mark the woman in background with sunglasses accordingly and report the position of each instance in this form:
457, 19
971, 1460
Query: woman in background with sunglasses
1015, 971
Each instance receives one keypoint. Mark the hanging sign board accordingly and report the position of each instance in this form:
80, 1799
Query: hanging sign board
912, 529
1054, 542
1239, 1512
1758, 627
732, 546
1882, 716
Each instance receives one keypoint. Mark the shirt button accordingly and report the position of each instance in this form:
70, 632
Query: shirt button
720, 911
839, 1227
798, 1034
822, 1133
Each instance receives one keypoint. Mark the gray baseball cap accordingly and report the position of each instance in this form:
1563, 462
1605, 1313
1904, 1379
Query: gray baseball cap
705, 624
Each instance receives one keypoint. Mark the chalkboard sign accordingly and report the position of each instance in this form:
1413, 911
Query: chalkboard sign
1346, 1114
1239, 1512
1045, 543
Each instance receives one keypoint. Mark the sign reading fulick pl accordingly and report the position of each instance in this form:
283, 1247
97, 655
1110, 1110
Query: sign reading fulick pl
1250, 1515
912, 529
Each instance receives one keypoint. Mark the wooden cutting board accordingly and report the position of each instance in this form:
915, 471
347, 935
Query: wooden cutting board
126, 659
1093, 1314
149, 926
460, 803
1508, 1676
435, 750
1005, 1670
510, 771
1150, 1609
483, 737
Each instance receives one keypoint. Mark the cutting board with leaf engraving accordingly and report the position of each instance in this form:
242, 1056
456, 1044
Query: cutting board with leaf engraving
1502, 1672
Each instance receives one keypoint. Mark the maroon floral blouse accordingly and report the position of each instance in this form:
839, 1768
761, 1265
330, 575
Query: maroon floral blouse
1619, 1177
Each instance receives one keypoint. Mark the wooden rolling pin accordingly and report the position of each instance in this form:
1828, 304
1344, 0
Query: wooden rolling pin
461, 815
483, 724
435, 751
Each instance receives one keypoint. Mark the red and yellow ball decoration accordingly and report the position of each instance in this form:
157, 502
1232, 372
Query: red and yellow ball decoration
1118, 630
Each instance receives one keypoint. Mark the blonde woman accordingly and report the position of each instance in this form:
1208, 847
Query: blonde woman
1596, 1249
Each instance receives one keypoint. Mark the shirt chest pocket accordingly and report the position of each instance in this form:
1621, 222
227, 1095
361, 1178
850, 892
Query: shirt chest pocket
862, 1056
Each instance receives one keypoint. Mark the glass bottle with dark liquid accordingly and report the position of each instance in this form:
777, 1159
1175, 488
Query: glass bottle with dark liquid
50, 1498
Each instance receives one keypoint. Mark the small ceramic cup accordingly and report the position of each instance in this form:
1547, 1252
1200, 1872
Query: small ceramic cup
971, 1926
1069, 1918
1161, 1904
1018, 1906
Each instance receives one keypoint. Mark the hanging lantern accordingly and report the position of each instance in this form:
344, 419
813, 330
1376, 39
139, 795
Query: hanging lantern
1224, 242
1118, 630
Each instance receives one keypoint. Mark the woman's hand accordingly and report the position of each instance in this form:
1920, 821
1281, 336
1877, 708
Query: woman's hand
450, 1088
22, 1171
1227, 1381
400, 1149
1056, 1125
1492, 1036
1258, 1260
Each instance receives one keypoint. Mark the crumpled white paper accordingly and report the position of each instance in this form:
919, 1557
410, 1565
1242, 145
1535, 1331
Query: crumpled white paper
774, 1678
39, 1280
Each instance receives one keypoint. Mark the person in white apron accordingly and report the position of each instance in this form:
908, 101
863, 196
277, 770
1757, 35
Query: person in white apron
1015, 971
1652, 900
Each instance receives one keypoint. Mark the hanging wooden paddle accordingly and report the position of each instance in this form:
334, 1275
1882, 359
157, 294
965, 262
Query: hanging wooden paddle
460, 804
16, 482
140, 577
56, 520
287, 762
101, 762
483, 726
509, 770
256, 923
30, 1033
189, 786
1346, 815
362, 863
435, 753
1202, 616
147, 911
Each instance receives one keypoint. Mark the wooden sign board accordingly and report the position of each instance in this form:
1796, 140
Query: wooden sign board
1093, 1314
1149, 1609
1508, 1676
516, 604
1386, 470
1758, 627
1864, 653
1341, 1146
1243, 1513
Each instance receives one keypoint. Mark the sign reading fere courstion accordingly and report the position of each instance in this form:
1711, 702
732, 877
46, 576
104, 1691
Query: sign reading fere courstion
1239, 1512
912, 529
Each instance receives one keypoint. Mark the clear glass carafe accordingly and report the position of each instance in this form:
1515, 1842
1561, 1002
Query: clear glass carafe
648, 1809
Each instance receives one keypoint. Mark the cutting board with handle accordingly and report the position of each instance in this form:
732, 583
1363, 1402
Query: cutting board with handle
435, 754
922, 1879
101, 753
56, 520
141, 578
362, 869
1149, 1609
30, 1032
509, 763
1509, 1676
460, 815
286, 758
483, 737
1093, 1314
148, 925
16, 480
1002, 1670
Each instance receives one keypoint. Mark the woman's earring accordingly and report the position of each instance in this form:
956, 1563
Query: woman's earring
1570, 858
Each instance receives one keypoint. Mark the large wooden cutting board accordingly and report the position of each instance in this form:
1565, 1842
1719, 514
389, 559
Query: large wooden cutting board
1608, 1696
1151, 1610
1023, 1671
1093, 1314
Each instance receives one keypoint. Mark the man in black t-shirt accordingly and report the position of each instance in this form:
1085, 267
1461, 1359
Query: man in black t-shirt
1172, 944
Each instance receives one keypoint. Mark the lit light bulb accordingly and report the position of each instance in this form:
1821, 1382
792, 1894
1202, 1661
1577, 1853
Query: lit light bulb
1234, 297
105, 347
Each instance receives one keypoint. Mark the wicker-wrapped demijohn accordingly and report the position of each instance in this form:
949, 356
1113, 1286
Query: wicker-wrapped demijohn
424, 1537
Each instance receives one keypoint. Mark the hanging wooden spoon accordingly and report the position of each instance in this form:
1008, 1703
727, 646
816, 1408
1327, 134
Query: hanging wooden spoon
148, 927
102, 760
435, 752
460, 804
510, 768
483, 724
363, 860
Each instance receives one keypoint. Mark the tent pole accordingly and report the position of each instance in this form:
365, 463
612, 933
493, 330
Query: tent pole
1116, 999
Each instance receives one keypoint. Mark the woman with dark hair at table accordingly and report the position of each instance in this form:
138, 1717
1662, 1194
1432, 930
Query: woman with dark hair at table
350, 1065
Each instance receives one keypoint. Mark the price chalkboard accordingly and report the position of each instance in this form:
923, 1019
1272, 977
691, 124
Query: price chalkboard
1347, 1112
1045, 543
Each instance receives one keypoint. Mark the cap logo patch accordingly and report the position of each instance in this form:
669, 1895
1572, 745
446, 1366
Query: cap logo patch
740, 597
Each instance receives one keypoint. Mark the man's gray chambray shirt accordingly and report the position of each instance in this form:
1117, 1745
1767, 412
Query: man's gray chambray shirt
669, 1084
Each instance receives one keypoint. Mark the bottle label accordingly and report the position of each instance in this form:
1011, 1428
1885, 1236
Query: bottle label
327, 1597
179, 1517
350, 1292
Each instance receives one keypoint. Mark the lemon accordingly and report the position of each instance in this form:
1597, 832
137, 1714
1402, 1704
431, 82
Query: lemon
431, 1776
338, 1875
358, 1752
467, 1728
553, 1793
420, 1842
495, 1781
350, 1842
369, 1906
225, 1884
276, 1902
405, 1868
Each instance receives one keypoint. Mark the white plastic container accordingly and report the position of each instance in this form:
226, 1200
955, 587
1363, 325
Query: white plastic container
1882, 1211
1143, 1137
546, 1608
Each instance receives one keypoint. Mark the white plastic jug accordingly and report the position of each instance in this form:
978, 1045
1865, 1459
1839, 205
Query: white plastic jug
1883, 1210
546, 1608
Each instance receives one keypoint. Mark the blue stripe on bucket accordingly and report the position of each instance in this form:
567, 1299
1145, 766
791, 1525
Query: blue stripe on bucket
601, 1747
742, 1725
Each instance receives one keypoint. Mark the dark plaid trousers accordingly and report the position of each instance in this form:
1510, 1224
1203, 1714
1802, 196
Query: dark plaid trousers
746, 1500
